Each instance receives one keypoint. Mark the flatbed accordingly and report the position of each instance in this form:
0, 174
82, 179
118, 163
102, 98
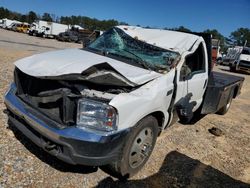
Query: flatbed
221, 87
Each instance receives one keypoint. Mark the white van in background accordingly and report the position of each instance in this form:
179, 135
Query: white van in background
1, 22
47, 29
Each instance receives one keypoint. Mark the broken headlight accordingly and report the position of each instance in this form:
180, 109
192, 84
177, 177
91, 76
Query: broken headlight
96, 115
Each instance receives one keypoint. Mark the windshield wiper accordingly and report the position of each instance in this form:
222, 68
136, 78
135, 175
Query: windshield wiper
139, 60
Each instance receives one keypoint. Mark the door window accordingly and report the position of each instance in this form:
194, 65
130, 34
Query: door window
194, 64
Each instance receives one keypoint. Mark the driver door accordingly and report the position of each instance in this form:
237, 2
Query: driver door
194, 75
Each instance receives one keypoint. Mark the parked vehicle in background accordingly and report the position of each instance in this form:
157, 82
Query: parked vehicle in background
69, 36
231, 56
242, 62
1, 23
52, 30
13, 26
7, 23
36, 26
76, 27
216, 55
78, 35
23, 28
47, 29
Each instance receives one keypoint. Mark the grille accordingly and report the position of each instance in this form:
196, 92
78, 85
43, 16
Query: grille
245, 64
47, 96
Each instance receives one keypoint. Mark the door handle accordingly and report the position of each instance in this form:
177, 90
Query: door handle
205, 84
169, 92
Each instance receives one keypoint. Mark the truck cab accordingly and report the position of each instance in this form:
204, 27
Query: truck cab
243, 61
238, 59
105, 105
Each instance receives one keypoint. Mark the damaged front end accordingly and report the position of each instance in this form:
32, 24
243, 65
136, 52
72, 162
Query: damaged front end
58, 116
81, 100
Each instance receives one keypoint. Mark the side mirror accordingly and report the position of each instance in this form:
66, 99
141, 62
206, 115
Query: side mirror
185, 72
85, 42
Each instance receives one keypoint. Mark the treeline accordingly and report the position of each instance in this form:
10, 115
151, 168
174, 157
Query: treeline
237, 37
30, 17
84, 21
89, 23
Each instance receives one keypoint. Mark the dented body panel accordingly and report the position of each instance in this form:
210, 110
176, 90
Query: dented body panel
151, 97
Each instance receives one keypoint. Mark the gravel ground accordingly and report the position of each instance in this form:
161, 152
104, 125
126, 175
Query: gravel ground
184, 156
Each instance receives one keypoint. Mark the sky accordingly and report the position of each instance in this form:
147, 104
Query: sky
224, 15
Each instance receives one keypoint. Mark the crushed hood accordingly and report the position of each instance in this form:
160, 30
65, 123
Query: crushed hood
76, 61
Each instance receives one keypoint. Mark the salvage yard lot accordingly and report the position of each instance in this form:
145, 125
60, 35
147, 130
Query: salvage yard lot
185, 155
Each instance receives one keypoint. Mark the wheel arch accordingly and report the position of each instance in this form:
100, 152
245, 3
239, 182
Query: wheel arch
160, 117
235, 91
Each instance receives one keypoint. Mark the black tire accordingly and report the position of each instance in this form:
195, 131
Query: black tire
232, 68
219, 61
124, 168
225, 108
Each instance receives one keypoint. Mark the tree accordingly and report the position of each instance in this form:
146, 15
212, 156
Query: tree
31, 16
46, 17
124, 23
217, 35
240, 36
182, 29
4, 13
23, 18
89, 23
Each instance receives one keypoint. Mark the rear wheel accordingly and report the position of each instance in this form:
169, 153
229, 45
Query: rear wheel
136, 151
225, 108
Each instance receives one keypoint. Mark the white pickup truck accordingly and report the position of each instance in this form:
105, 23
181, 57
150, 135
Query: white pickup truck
242, 60
105, 105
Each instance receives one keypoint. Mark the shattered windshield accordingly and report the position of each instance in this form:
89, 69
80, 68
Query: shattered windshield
115, 43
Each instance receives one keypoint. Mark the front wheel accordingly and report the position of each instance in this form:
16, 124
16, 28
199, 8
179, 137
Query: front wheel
44, 35
232, 68
137, 149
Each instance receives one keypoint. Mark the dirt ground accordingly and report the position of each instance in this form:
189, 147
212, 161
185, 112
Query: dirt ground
184, 156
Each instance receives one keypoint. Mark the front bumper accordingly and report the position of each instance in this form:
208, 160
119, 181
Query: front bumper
71, 144
226, 62
244, 65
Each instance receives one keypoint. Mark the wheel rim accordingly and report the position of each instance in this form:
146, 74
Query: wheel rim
141, 148
228, 104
